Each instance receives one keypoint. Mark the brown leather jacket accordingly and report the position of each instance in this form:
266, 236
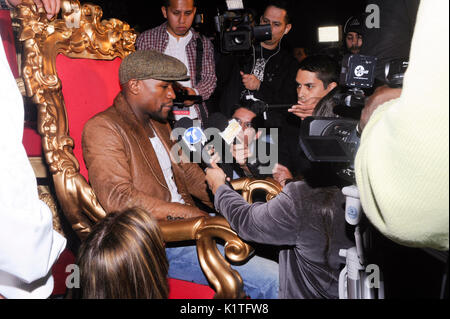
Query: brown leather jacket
124, 170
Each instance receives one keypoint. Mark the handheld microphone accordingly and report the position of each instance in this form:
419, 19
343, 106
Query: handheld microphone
193, 138
228, 129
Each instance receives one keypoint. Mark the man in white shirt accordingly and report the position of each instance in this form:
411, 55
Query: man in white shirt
177, 38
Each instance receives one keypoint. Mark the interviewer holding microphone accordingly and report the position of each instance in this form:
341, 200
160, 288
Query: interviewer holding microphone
307, 222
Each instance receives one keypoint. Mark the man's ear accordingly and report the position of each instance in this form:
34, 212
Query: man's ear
331, 86
134, 86
164, 11
288, 28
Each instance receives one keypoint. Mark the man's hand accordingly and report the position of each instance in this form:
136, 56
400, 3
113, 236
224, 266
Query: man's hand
189, 91
250, 81
215, 177
241, 151
302, 111
52, 7
381, 95
306, 108
281, 174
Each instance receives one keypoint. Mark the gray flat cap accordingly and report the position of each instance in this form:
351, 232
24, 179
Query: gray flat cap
147, 64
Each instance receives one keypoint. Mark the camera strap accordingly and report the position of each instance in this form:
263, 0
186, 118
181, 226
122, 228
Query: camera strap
198, 61
198, 74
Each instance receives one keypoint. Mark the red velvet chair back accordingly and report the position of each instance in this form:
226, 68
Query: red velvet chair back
8, 41
99, 83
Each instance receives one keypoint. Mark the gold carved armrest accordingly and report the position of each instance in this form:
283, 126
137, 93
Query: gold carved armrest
248, 186
226, 282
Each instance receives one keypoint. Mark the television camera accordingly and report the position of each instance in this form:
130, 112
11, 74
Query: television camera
336, 140
237, 30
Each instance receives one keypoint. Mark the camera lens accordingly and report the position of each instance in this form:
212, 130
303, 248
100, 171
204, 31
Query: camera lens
239, 39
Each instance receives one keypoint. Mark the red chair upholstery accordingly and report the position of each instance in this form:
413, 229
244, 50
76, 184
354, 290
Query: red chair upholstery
31, 139
99, 82
180, 289
8, 41
32, 142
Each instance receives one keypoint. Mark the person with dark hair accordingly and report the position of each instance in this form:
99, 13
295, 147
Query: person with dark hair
177, 38
266, 72
123, 258
253, 156
127, 150
353, 35
317, 80
316, 77
307, 222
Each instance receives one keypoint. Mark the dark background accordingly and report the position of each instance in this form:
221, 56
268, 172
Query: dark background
306, 15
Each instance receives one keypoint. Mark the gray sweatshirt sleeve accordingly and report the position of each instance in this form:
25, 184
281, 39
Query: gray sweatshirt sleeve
275, 222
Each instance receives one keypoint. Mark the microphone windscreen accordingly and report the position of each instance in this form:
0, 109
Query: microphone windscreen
184, 122
217, 120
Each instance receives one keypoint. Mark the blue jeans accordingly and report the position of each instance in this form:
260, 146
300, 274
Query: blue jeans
260, 275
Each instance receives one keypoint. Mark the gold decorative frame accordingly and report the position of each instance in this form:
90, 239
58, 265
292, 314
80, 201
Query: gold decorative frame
81, 33
248, 186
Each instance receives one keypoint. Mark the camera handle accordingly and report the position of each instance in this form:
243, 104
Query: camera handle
353, 279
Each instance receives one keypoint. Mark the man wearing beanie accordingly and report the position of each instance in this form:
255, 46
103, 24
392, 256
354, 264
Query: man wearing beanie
127, 150
353, 35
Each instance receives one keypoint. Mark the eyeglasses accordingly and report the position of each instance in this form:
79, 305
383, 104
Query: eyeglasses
244, 125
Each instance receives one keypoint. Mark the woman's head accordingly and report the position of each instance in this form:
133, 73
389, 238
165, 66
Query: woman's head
124, 257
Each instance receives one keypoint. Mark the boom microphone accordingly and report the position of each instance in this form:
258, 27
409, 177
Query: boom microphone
263, 107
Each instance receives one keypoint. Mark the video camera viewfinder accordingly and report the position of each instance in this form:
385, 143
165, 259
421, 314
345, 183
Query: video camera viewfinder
358, 71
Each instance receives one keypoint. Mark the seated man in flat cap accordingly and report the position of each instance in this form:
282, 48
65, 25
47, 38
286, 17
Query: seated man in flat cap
127, 152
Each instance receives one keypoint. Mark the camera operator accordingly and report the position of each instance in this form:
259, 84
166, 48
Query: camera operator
249, 143
266, 72
177, 38
401, 166
353, 35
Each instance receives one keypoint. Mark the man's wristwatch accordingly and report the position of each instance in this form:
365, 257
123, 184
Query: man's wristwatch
4, 5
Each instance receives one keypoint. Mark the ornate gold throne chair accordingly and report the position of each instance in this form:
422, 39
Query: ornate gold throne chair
70, 70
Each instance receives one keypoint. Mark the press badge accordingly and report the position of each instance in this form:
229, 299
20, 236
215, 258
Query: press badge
185, 111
